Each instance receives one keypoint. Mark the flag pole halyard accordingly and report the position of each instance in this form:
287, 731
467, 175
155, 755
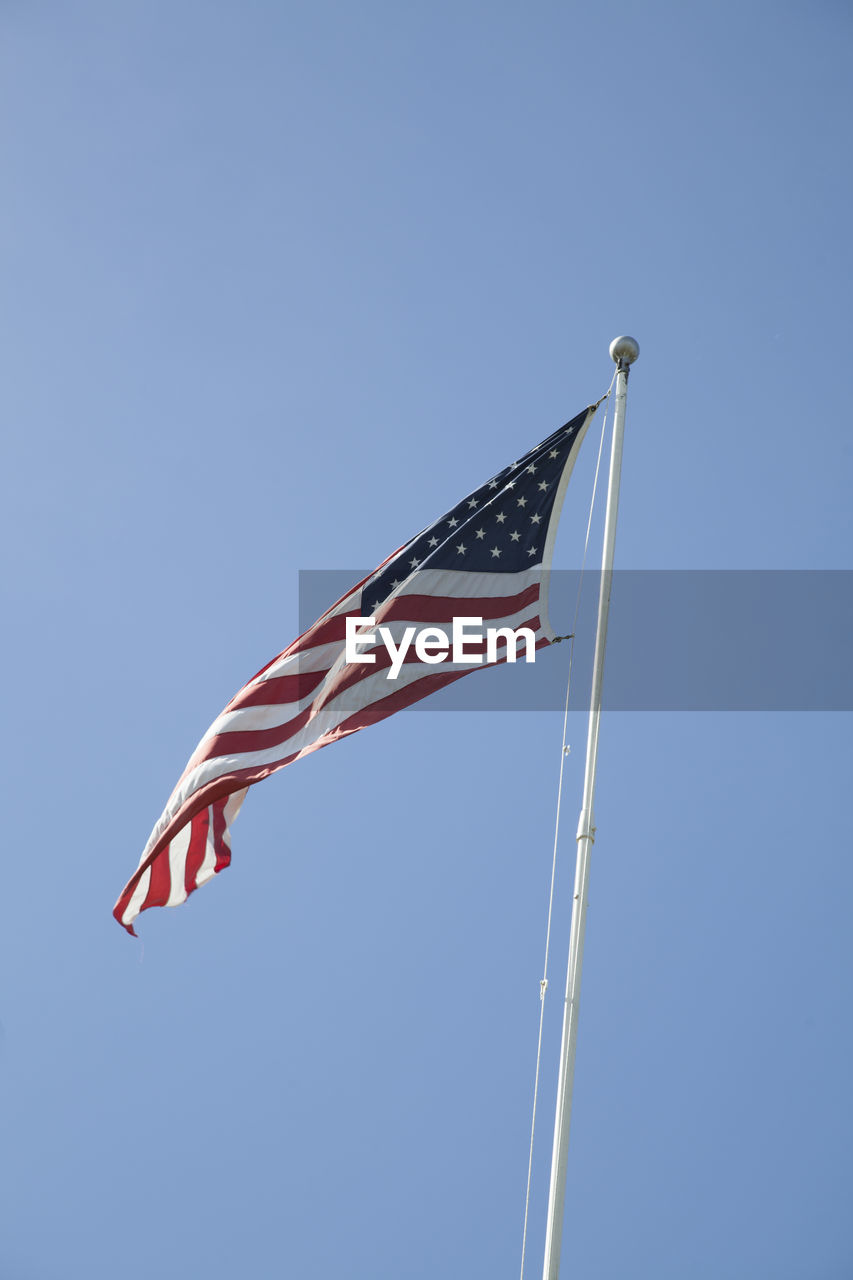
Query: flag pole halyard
624, 351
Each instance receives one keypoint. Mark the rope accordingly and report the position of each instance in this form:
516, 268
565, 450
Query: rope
564, 751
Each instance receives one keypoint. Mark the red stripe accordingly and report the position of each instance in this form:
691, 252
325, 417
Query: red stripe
442, 609
196, 851
161, 883
123, 903
220, 845
276, 690
238, 742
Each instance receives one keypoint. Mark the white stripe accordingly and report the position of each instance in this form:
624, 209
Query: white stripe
178, 850
232, 808
208, 866
139, 895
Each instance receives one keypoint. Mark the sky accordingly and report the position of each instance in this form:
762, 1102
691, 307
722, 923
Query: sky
282, 283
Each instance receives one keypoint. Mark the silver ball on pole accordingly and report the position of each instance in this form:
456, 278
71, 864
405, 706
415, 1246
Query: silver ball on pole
624, 350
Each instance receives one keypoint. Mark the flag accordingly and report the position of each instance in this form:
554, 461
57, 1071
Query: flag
487, 558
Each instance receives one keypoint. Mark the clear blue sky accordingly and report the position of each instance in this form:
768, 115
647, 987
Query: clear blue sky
282, 282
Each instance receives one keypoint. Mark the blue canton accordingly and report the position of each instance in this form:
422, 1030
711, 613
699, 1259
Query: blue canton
499, 528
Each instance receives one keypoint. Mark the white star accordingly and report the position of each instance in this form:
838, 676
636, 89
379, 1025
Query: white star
496, 552
461, 548
532, 469
553, 454
515, 537
481, 533
472, 502
433, 542
542, 485
396, 583
501, 517
413, 563
493, 484
536, 519
532, 551
511, 484
522, 502
453, 522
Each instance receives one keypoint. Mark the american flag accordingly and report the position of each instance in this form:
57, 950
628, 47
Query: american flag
489, 557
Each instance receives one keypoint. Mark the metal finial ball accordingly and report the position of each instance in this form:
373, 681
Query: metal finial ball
624, 350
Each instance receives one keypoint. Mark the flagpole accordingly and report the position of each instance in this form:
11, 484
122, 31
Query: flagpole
624, 351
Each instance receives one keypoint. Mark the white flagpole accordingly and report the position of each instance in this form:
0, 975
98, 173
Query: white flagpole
624, 352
